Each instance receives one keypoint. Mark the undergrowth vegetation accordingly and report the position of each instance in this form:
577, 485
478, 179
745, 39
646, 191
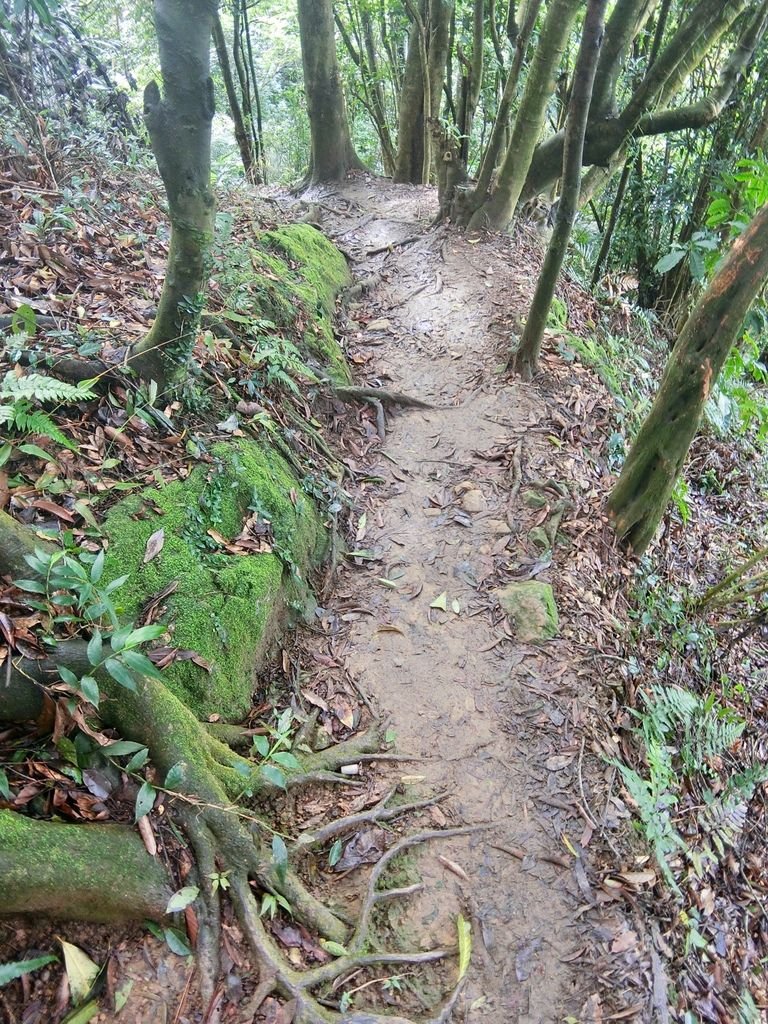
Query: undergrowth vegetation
696, 767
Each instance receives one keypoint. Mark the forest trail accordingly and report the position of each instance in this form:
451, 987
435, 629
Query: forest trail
497, 724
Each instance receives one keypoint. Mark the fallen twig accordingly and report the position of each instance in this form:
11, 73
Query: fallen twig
520, 854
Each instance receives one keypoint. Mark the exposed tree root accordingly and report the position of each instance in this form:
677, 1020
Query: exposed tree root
359, 394
298, 986
211, 790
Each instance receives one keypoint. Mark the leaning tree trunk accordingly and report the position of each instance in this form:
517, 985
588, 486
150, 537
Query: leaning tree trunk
497, 212
697, 35
332, 154
647, 480
526, 358
179, 125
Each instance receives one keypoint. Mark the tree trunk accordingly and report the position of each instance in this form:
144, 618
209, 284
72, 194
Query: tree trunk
527, 356
179, 125
501, 124
412, 134
638, 500
498, 211
474, 80
605, 245
242, 135
332, 154
86, 872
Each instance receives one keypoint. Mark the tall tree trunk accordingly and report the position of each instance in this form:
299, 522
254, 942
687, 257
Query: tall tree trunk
474, 80
332, 153
378, 101
647, 480
255, 119
179, 126
242, 134
527, 356
413, 136
497, 212
501, 124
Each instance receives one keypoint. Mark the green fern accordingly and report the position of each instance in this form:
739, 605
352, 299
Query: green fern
26, 420
700, 730
18, 413
39, 388
683, 735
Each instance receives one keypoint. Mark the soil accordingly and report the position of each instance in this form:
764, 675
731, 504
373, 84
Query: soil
494, 723
512, 733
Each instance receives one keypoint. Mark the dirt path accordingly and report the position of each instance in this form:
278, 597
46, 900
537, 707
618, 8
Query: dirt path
491, 720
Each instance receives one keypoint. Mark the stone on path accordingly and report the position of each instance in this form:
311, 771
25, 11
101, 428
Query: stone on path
532, 609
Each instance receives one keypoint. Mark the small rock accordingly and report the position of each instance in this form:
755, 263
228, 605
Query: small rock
538, 537
473, 501
531, 607
499, 526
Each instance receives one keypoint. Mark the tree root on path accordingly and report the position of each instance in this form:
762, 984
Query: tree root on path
229, 839
298, 986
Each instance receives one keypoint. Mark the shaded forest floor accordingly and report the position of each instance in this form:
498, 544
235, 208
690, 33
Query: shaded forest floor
494, 482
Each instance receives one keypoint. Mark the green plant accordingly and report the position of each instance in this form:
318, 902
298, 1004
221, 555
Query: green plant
70, 586
274, 749
18, 396
270, 901
695, 251
683, 737
220, 880
558, 315
681, 497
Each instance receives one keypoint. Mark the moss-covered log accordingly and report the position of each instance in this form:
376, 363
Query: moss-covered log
647, 480
86, 872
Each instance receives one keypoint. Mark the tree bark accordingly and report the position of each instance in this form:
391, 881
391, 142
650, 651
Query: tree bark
498, 211
526, 358
332, 155
242, 135
179, 125
638, 500
413, 136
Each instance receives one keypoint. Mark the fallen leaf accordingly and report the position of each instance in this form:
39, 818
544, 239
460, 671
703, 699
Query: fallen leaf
81, 971
154, 545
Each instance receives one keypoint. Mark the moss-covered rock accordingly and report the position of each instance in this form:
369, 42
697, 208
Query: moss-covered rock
531, 607
287, 281
225, 606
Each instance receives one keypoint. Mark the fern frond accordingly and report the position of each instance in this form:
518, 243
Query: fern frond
39, 388
35, 421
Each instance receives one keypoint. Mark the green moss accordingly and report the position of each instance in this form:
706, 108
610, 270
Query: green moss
322, 273
289, 278
225, 607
